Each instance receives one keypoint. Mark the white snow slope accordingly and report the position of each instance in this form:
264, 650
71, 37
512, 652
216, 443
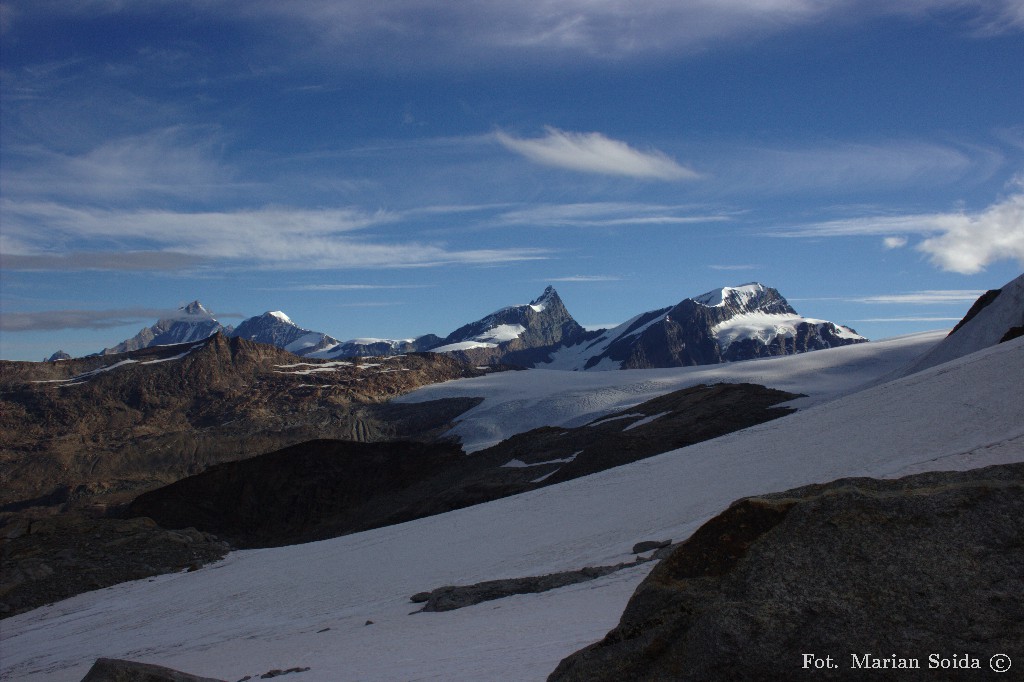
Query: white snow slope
308, 605
519, 401
984, 330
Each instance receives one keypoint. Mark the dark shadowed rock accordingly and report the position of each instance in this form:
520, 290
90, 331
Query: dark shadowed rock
451, 597
926, 564
115, 670
48, 559
648, 545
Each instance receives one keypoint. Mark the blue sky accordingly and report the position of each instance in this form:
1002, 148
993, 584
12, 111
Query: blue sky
390, 169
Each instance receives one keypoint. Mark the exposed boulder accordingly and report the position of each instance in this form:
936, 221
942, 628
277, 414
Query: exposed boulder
912, 567
451, 597
117, 670
648, 545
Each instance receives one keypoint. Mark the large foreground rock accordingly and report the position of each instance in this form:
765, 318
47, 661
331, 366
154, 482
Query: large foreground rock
929, 564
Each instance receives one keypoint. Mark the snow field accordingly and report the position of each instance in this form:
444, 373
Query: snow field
265, 609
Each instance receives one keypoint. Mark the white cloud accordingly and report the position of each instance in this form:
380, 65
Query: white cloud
843, 166
968, 243
353, 287
605, 214
465, 34
595, 153
473, 31
273, 237
956, 242
907, 319
894, 242
169, 162
585, 278
734, 267
928, 297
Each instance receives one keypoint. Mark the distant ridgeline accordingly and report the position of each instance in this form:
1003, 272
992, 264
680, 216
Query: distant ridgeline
722, 325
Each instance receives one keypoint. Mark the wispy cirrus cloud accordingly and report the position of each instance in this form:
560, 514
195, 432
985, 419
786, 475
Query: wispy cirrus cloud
925, 297
126, 261
907, 319
841, 166
608, 30
929, 297
607, 214
471, 33
729, 268
352, 287
595, 153
960, 242
585, 278
52, 320
170, 162
277, 237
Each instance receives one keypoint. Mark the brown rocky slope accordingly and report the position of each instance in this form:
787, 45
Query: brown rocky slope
100, 430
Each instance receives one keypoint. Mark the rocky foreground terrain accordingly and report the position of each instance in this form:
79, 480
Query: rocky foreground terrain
928, 564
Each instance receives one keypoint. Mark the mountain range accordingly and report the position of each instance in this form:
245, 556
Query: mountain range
722, 325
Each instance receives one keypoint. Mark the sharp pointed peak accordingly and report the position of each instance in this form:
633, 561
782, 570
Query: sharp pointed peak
548, 294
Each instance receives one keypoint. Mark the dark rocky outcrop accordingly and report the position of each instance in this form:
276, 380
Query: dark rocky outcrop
116, 670
311, 491
984, 301
648, 545
48, 559
451, 597
926, 564
326, 488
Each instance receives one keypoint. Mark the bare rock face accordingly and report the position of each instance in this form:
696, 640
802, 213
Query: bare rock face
857, 573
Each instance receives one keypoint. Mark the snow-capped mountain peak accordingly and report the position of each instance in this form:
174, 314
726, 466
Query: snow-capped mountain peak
541, 323
189, 323
280, 316
742, 293
195, 308
277, 329
725, 324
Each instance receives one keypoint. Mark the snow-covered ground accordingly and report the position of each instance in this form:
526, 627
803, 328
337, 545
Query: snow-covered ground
309, 605
515, 402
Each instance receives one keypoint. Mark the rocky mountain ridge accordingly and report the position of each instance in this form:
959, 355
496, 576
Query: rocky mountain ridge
722, 325
192, 322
